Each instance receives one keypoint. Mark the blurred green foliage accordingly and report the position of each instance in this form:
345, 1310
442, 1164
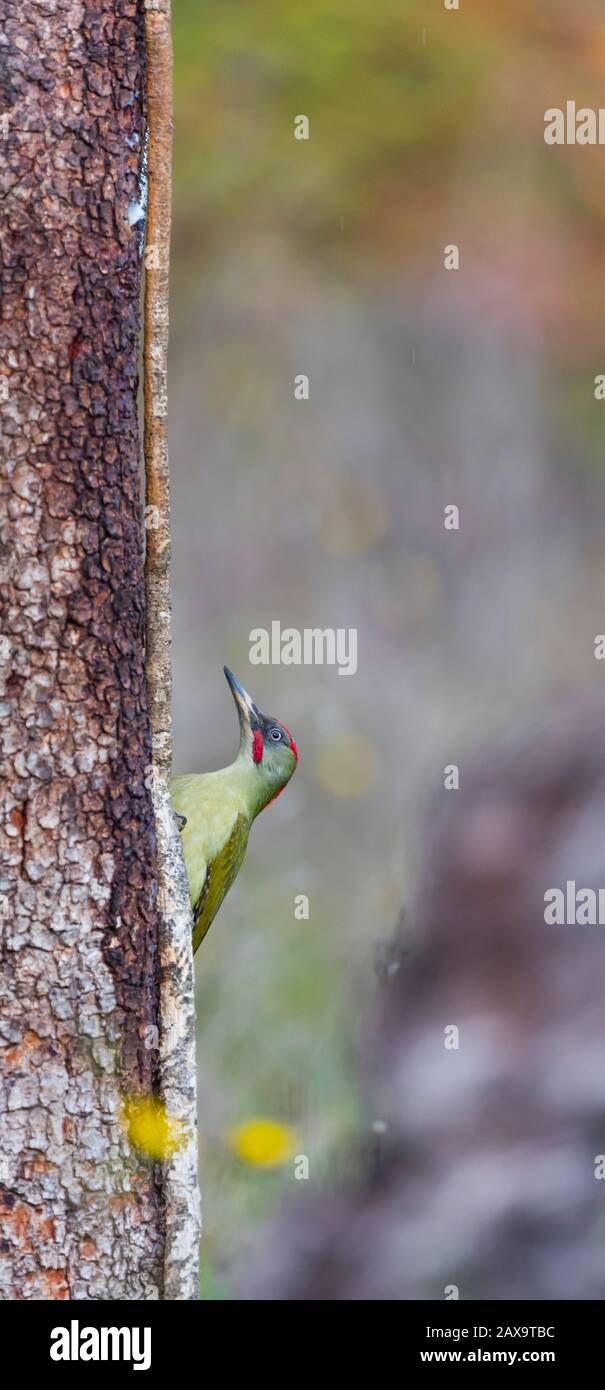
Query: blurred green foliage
380, 101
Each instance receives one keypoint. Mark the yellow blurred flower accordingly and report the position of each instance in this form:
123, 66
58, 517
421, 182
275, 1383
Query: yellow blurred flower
347, 766
150, 1130
263, 1143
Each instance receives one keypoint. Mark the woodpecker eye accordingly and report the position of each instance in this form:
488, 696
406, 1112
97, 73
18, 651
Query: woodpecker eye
276, 735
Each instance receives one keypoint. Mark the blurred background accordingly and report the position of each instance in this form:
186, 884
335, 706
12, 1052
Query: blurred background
427, 388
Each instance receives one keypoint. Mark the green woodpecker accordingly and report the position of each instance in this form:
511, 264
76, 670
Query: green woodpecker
216, 809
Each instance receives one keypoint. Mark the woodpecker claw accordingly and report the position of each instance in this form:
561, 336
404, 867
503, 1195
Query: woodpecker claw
180, 820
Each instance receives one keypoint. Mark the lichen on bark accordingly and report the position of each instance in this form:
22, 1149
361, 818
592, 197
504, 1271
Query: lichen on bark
177, 1069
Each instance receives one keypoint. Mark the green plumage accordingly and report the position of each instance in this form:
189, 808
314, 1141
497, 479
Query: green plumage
214, 841
220, 874
219, 807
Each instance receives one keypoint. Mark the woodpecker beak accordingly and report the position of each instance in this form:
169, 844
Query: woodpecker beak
247, 710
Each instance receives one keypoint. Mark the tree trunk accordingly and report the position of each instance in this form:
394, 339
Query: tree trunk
81, 1211
177, 993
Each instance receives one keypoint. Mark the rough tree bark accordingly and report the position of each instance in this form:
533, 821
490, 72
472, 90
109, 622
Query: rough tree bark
82, 1215
177, 1010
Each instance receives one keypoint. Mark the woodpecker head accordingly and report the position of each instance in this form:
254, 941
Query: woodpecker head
264, 742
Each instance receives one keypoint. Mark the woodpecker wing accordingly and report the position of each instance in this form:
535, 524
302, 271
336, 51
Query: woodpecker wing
220, 874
